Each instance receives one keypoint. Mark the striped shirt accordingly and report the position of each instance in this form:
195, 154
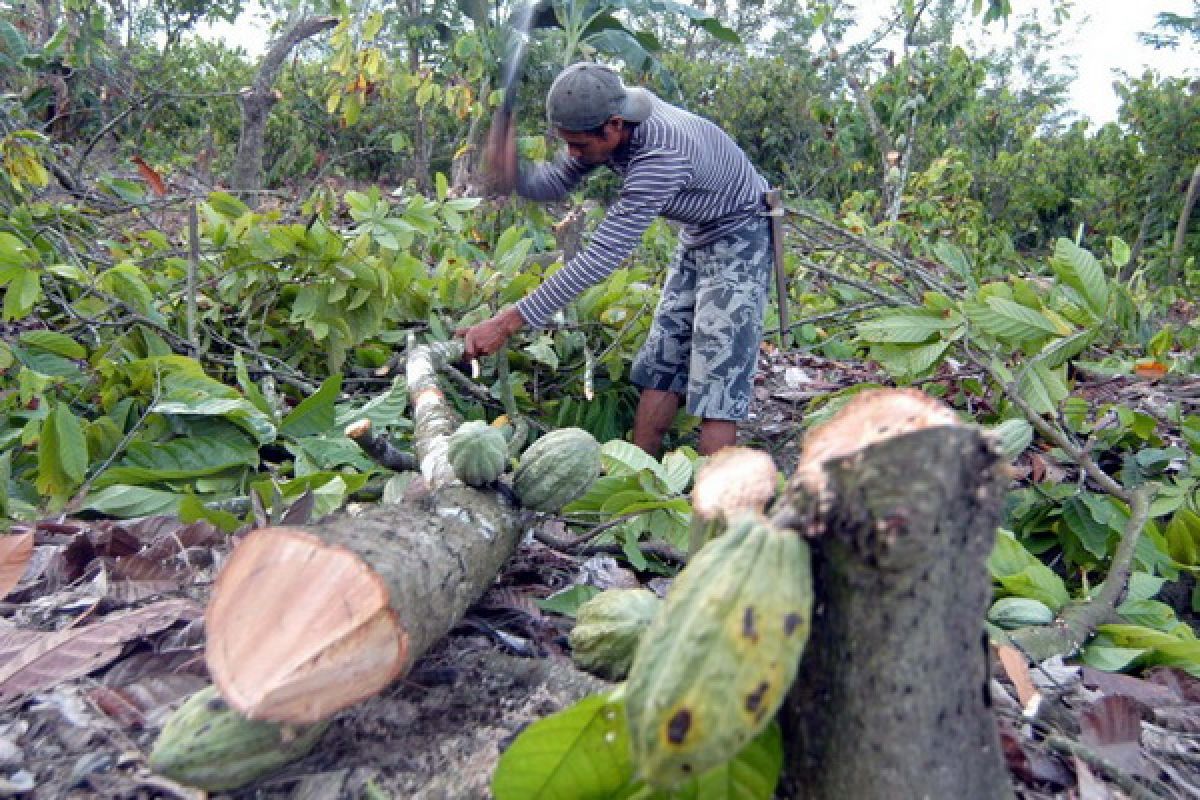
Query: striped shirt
677, 165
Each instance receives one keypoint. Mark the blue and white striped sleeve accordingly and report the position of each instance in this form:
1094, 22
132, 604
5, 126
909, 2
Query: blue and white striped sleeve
652, 180
550, 182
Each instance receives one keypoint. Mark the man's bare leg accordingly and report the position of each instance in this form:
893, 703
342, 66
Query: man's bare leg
655, 413
715, 434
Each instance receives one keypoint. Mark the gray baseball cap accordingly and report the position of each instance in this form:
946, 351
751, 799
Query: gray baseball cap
585, 95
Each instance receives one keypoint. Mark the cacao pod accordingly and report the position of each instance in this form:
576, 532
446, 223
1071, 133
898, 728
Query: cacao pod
1018, 612
477, 452
607, 630
716, 663
556, 469
209, 745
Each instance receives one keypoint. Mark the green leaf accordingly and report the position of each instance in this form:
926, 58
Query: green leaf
619, 457
750, 775
151, 462
581, 753
1080, 270
909, 362
56, 343
1023, 575
678, 468
132, 501
1110, 659
62, 453
568, 601
905, 326
543, 352
1183, 537
315, 414
23, 292
1091, 533
953, 257
1043, 388
191, 509
1008, 320
1118, 251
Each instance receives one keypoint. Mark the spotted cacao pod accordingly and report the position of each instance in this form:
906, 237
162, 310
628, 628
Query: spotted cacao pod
716, 663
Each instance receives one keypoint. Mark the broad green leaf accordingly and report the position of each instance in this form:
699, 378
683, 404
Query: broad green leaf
909, 362
1011, 321
62, 453
1063, 350
1093, 534
57, 343
1022, 574
385, 410
315, 414
23, 292
132, 501
227, 205
1014, 435
1119, 251
1110, 659
46, 363
1080, 270
569, 600
248, 387
1183, 537
953, 257
905, 326
678, 470
619, 457
191, 509
543, 352
1043, 388
13, 253
601, 489
581, 753
151, 462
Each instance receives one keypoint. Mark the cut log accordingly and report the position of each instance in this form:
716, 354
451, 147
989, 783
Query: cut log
304, 622
902, 504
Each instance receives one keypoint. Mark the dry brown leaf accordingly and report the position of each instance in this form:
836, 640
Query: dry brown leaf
1112, 727
1148, 692
143, 666
1017, 669
59, 656
15, 550
1150, 368
131, 705
152, 178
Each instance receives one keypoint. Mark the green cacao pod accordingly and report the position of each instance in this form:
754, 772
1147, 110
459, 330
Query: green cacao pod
607, 630
716, 663
477, 452
208, 745
556, 469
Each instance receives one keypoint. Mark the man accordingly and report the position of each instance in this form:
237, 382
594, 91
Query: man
703, 344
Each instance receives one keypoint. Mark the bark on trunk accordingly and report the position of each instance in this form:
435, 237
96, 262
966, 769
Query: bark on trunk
891, 698
258, 99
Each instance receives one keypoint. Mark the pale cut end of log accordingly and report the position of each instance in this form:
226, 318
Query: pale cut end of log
298, 630
869, 418
357, 430
734, 479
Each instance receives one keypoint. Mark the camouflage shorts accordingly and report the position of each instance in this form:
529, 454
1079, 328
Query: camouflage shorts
708, 325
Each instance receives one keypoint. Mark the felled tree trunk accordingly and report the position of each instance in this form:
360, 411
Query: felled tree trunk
901, 504
304, 622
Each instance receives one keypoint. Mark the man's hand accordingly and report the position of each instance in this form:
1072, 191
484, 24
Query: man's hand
500, 153
490, 335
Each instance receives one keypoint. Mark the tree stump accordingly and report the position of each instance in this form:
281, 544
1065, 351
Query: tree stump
891, 701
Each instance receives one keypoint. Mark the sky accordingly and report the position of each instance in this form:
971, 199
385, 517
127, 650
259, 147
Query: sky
1103, 39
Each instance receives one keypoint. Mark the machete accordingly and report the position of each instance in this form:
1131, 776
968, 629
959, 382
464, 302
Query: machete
776, 211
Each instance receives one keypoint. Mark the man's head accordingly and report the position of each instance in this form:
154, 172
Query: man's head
588, 107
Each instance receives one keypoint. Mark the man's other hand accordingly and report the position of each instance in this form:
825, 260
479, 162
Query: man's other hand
490, 335
500, 153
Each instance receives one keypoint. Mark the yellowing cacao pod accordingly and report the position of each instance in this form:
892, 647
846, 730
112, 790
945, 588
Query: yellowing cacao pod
716, 663
607, 630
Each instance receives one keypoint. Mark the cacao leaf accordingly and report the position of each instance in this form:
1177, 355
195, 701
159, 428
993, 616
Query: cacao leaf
1080, 270
62, 453
315, 414
580, 753
15, 550
59, 656
152, 462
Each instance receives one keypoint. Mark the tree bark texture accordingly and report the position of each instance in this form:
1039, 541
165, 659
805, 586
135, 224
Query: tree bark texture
258, 99
891, 699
